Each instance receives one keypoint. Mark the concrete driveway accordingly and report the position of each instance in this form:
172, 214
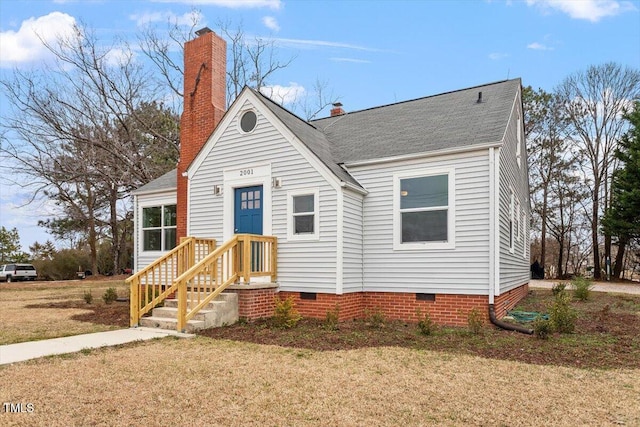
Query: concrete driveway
622, 288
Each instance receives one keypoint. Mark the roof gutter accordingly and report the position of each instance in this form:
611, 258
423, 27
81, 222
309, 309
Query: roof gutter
353, 187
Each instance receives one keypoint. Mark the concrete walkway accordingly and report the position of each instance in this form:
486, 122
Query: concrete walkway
620, 288
20, 352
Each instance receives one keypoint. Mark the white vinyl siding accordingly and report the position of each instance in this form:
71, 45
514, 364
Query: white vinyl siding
308, 265
141, 201
463, 270
514, 197
352, 242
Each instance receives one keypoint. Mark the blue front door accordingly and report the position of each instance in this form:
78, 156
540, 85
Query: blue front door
248, 210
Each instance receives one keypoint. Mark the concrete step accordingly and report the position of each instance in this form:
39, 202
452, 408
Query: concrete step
172, 313
171, 324
225, 296
222, 311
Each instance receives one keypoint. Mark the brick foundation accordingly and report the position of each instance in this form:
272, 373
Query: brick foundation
509, 299
255, 303
444, 309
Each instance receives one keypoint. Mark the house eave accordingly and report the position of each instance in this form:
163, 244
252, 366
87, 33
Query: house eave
435, 153
156, 191
353, 187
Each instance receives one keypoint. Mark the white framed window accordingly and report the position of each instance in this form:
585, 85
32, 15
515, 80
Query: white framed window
303, 219
524, 236
517, 220
159, 228
511, 221
519, 142
424, 210
248, 121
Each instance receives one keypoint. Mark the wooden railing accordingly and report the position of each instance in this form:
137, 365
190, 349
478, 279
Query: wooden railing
242, 257
154, 283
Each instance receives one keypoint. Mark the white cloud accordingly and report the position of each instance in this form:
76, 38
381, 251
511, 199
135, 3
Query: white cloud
25, 45
284, 95
232, 4
497, 56
188, 18
116, 56
271, 23
538, 46
590, 10
358, 61
322, 43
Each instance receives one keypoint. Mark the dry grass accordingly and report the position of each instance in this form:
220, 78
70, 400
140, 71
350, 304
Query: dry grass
218, 382
20, 323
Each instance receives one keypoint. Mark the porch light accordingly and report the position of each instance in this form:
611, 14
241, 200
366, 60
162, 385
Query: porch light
217, 190
276, 182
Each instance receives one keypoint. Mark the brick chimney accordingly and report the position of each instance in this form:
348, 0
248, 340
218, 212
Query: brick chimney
337, 109
205, 64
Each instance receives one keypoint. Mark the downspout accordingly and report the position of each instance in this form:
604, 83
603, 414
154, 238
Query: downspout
494, 244
505, 325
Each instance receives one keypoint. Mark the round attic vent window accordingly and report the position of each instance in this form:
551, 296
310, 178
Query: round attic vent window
248, 121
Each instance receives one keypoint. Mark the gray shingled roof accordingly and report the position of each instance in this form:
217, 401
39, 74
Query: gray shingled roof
168, 181
446, 121
439, 122
315, 140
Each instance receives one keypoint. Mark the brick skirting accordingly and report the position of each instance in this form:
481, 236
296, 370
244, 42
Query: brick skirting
444, 309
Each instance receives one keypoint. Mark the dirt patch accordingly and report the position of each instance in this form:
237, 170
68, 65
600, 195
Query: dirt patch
114, 314
607, 336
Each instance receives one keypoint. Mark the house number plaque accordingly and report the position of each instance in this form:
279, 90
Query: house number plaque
245, 172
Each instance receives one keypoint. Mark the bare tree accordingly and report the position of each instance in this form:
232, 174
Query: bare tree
548, 156
252, 61
85, 131
594, 101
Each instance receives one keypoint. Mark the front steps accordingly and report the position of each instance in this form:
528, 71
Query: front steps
219, 312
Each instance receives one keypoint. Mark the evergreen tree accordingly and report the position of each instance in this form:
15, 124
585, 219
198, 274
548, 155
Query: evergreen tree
622, 220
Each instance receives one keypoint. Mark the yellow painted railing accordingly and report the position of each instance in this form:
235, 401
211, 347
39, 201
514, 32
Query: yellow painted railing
153, 284
243, 256
203, 273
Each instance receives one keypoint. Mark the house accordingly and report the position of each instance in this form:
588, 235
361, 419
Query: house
418, 206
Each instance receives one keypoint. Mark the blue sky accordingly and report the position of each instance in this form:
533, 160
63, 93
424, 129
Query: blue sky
369, 52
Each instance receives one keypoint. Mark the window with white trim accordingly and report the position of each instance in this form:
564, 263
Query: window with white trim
519, 143
517, 220
423, 211
159, 228
511, 221
302, 214
524, 236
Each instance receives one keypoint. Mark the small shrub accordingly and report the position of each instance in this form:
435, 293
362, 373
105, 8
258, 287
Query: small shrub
474, 321
332, 318
426, 326
88, 297
542, 328
561, 315
375, 318
110, 295
581, 288
285, 313
558, 288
